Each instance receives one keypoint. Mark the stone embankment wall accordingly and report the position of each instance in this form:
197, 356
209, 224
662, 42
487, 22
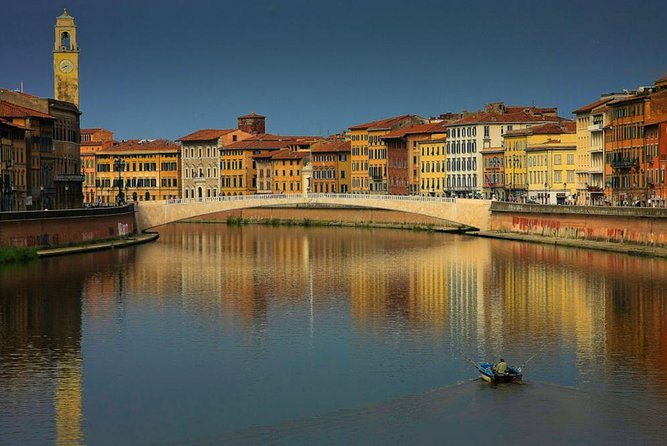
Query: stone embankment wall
642, 226
64, 227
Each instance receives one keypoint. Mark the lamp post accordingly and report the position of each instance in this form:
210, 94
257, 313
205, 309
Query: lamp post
564, 193
41, 197
118, 164
67, 196
546, 193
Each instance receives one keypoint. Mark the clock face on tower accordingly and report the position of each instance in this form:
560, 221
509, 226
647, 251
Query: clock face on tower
66, 66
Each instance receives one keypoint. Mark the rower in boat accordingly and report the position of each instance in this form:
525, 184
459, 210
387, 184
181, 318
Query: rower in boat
500, 369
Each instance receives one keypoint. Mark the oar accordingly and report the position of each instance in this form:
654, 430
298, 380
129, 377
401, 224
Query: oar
476, 365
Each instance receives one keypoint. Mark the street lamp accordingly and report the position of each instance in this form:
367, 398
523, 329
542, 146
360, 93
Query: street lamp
564, 193
546, 193
118, 164
66, 196
41, 197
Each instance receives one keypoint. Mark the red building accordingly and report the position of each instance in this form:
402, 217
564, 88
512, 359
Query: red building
403, 156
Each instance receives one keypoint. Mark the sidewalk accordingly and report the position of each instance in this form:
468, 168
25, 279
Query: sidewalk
107, 244
576, 243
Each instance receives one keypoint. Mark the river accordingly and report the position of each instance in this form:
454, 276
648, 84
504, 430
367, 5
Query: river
251, 334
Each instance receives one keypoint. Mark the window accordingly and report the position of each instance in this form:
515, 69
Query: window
486, 131
557, 161
570, 159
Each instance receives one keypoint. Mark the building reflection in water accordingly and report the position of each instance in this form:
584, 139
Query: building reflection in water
478, 297
40, 350
487, 296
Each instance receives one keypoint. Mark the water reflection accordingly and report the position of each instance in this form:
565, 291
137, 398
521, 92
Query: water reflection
233, 322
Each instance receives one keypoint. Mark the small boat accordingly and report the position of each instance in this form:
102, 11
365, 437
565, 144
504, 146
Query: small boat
513, 375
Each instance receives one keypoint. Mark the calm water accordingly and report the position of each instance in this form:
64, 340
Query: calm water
249, 335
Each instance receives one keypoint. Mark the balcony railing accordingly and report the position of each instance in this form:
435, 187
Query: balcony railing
624, 163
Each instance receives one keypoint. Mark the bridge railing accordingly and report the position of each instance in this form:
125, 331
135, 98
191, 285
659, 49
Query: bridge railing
291, 197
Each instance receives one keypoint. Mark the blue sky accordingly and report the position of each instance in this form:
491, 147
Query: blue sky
164, 68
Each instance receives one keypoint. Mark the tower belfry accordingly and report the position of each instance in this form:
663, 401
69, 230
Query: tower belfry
66, 60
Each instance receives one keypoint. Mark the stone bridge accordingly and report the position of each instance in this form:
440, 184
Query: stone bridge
466, 213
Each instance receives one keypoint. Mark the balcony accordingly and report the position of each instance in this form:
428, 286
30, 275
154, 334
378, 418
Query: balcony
595, 127
624, 163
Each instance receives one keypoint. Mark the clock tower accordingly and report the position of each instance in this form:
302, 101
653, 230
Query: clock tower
66, 61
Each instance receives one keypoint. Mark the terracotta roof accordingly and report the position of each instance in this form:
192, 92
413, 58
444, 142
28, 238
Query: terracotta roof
287, 154
9, 110
428, 141
251, 115
338, 146
205, 135
662, 79
554, 128
513, 114
270, 141
143, 145
382, 123
592, 105
437, 127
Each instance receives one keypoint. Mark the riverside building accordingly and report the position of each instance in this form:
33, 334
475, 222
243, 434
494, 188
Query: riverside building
369, 152
468, 136
138, 170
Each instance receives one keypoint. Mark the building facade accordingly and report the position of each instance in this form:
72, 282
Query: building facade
369, 152
138, 170
468, 136
403, 156
331, 167
201, 160
493, 187
433, 173
517, 162
92, 141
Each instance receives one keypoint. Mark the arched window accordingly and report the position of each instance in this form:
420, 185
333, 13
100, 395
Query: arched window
65, 42
201, 172
200, 193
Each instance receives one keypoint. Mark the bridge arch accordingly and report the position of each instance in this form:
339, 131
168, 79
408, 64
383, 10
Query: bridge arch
468, 213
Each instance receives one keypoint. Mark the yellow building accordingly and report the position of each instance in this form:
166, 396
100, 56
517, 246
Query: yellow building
138, 170
550, 172
433, 172
518, 180
92, 141
66, 60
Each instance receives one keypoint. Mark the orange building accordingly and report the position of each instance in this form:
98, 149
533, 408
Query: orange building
287, 168
331, 167
632, 168
238, 166
92, 141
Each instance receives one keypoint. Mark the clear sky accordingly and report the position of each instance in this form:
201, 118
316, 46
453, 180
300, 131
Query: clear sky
165, 68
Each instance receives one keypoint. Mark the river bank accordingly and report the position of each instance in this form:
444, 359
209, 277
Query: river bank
97, 246
624, 248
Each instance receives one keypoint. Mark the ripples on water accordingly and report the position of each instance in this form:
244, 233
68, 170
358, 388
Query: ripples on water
222, 334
